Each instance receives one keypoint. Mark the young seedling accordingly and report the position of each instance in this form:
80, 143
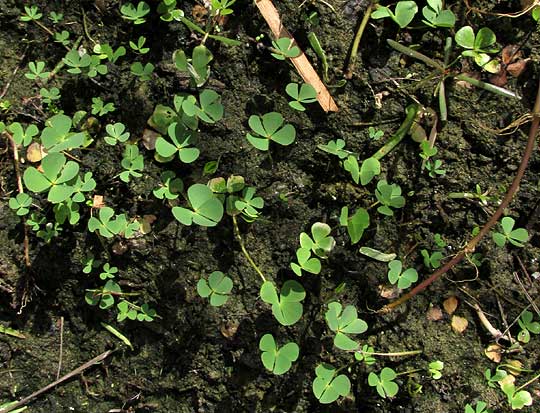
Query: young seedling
287, 305
37, 71
210, 109
481, 407
249, 204
384, 383
58, 177
132, 162
207, 209
493, 380
135, 14
170, 186
56, 17
301, 94
321, 244
31, 13
144, 73
336, 148
182, 143
108, 224
268, 128
89, 263
62, 37
364, 355
478, 46
104, 297
218, 288
105, 51
403, 279
434, 168
108, 271
375, 134
48, 96
276, 359
435, 16
517, 399
528, 326
389, 195
403, 14
344, 322
435, 369
20, 135
370, 168
433, 260
116, 133
100, 108
517, 237
131, 311
328, 386
197, 67
283, 49
49, 231
356, 225
306, 262
20, 204
139, 46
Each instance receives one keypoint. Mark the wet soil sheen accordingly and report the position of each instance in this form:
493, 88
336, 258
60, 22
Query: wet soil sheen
198, 358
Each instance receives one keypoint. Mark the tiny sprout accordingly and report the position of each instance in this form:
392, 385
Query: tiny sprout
481, 407
496, 378
306, 262
62, 37
37, 71
56, 17
20, 204
139, 46
355, 224
89, 263
207, 209
432, 260
517, 237
528, 326
384, 383
403, 279
270, 127
144, 73
49, 232
136, 15
321, 243
116, 133
389, 195
249, 205
335, 148
99, 107
170, 186
371, 167
218, 288
328, 386
182, 143
303, 94
283, 48
132, 162
375, 134
427, 151
108, 271
287, 306
277, 359
32, 13
22, 136
105, 51
344, 322
403, 13
516, 399
435, 16
434, 168
435, 368
364, 355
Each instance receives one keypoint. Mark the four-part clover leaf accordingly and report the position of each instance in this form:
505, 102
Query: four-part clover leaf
328, 386
287, 305
384, 383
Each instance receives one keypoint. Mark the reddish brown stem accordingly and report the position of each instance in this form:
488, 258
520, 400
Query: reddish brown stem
471, 245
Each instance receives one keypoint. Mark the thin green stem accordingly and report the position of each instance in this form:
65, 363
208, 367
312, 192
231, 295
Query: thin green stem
488, 86
356, 42
393, 354
412, 111
528, 383
403, 373
416, 55
244, 250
